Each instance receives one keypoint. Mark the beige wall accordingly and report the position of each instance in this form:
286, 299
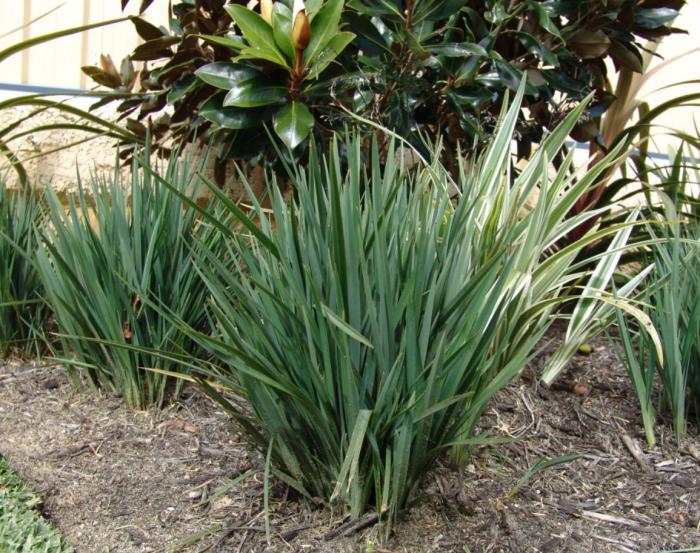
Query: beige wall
57, 63
686, 68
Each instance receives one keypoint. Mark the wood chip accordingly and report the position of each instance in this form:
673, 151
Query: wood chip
636, 451
693, 452
179, 424
612, 519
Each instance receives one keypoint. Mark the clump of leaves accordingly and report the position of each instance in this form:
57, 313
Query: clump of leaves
672, 301
164, 99
197, 90
296, 47
115, 269
369, 321
419, 67
443, 67
23, 313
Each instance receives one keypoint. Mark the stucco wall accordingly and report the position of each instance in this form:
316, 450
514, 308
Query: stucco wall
57, 157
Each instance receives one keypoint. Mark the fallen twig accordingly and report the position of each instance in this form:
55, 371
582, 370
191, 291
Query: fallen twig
614, 520
349, 528
226, 532
636, 452
623, 546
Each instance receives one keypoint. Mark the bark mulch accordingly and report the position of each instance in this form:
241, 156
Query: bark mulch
183, 479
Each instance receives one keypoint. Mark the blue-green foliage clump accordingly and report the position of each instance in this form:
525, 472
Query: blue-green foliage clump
115, 271
671, 300
369, 320
23, 313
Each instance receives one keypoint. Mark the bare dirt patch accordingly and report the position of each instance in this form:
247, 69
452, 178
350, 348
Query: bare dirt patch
115, 480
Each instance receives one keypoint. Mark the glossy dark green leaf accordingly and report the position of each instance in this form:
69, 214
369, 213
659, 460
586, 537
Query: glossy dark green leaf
332, 50
180, 88
225, 75
510, 75
382, 8
440, 9
626, 55
655, 17
543, 17
469, 69
256, 31
234, 42
147, 31
362, 98
155, 49
293, 123
248, 53
490, 79
536, 48
458, 50
245, 144
282, 28
323, 28
474, 97
369, 39
477, 25
229, 117
497, 14
563, 82
255, 93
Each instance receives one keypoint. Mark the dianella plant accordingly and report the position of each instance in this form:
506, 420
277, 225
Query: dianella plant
23, 313
369, 321
672, 301
114, 268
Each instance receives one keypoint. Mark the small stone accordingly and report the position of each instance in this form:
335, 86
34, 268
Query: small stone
221, 507
51, 384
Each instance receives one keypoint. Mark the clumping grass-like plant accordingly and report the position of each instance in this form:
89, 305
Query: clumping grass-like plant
23, 313
370, 320
672, 301
114, 270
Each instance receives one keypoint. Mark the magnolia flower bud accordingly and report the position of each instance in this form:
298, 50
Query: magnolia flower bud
301, 31
266, 10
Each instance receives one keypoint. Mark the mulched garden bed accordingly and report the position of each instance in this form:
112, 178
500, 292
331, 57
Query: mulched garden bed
115, 480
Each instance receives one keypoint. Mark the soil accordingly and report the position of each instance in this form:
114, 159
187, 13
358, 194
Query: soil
182, 479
